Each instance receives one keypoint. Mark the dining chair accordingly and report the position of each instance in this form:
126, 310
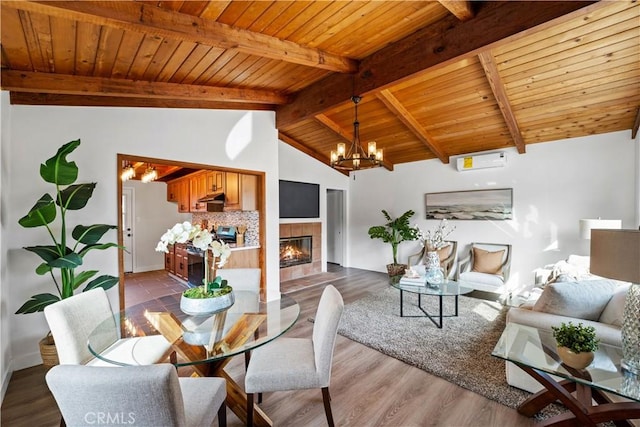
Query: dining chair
244, 279
298, 363
73, 319
150, 396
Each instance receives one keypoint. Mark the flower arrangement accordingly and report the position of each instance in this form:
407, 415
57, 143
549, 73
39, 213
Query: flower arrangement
577, 338
201, 239
435, 239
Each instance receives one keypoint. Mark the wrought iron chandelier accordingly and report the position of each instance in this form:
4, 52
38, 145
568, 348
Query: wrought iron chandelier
356, 158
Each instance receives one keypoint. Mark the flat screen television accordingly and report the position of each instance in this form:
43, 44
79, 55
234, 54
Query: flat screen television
299, 199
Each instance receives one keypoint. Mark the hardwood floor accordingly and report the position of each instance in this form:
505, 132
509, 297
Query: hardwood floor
367, 387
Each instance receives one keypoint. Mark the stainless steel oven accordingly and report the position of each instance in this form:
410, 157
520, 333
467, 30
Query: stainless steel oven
195, 266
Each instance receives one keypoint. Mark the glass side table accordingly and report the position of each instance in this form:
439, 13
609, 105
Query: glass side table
534, 351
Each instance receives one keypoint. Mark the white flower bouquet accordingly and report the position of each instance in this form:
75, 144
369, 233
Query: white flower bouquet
435, 239
201, 239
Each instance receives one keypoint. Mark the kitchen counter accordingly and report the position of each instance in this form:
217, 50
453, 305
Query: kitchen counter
235, 247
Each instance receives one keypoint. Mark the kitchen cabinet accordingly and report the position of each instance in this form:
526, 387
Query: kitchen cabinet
180, 260
232, 191
172, 191
169, 260
183, 195
198, 188
215, 182
241, 192
178, 191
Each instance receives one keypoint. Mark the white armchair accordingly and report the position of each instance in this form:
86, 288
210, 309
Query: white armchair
447, 256
486, 268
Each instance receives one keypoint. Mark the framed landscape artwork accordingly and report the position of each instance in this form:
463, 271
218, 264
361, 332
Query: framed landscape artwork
495, 204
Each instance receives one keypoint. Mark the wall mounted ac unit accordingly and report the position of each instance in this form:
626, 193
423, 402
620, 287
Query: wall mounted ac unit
481, 161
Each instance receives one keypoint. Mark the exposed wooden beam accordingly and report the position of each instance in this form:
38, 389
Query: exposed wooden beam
306, 150
636, 125
461, 9
392, 103
326, 121
151, 20
23, 81
347, 136
497, 86
435, 45
27, 98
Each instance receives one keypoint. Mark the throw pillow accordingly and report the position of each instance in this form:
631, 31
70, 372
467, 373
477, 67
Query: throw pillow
443, 253
582, 300
487, 262
613, 312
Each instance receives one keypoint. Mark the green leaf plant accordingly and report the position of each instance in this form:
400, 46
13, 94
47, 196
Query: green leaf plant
60, 259
577, 338
395, 231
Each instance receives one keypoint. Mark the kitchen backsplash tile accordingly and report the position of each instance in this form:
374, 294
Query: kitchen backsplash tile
250, 219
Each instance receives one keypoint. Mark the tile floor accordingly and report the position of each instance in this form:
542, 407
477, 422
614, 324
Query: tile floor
141, 287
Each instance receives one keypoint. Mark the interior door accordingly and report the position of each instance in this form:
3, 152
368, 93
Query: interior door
127, 228
335, 226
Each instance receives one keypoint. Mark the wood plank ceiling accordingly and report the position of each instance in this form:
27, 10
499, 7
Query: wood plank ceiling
438, 79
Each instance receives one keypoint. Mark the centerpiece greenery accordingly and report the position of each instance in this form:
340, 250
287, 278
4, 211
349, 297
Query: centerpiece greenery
576, 344
394, 232
60, 259
214, 251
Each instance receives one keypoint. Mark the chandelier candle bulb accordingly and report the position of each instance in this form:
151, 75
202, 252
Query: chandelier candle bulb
379, 155
341, 149
372, 149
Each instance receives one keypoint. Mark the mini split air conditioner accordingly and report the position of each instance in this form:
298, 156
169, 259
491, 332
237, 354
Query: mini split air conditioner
481, 161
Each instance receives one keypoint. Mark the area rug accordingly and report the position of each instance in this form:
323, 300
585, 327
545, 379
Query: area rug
460, 352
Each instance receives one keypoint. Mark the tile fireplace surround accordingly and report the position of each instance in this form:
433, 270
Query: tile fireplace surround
313, 229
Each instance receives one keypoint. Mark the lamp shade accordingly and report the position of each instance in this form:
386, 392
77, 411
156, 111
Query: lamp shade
615, 254
586, 225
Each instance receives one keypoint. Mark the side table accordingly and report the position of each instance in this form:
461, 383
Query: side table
534, 351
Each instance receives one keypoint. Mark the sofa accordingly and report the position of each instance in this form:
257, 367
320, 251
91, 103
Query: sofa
596, 302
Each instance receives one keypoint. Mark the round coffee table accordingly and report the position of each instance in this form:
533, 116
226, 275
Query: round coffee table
448, 288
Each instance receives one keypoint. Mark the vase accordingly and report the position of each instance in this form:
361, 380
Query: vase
206, 306
434, 275
631, 331
575, 360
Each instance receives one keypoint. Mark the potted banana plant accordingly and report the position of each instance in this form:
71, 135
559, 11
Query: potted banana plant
394, 232
63, 256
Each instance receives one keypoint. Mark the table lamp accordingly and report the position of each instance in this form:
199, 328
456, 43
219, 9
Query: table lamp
615, 254
586, 225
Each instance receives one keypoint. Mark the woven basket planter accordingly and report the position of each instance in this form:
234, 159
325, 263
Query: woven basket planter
48, 351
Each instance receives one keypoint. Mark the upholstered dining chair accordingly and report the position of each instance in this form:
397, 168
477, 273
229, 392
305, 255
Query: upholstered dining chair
487, 266
150, 396
73, 319
244, 279
447, 256
298, 363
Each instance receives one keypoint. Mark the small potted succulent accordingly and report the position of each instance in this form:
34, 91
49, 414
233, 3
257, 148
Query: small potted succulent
213, 295
394, 232
576, 344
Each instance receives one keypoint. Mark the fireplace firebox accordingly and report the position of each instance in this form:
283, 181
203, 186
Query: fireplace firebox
295, 251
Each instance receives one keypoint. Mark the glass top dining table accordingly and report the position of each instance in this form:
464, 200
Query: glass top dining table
247, 324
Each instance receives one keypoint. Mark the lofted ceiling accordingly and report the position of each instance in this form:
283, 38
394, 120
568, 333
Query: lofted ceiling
438, 78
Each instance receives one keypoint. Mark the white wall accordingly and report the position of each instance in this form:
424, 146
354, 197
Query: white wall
5, 349
554, 185
196, 136
297, 166
153, 215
